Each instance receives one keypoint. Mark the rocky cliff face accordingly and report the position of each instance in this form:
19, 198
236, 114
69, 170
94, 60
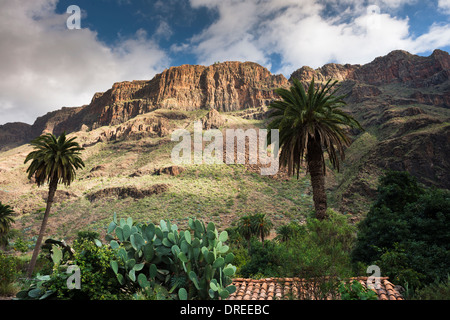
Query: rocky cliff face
14, 134
224, 86
396, 67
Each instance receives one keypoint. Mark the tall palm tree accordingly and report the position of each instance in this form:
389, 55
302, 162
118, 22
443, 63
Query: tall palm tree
309, 123
6, 220
54, 160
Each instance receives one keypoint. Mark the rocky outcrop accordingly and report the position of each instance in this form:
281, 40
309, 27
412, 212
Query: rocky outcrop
14, 134
213, 120
171, 170
396, 67
223, 86
124, 192
328, 71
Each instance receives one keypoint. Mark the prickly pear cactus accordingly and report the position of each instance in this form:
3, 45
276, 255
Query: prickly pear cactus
194, 263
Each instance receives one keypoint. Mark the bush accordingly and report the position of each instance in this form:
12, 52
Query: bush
98, 281
320, 251
434, 291
263, 260
409, 225
8, 273
356, 291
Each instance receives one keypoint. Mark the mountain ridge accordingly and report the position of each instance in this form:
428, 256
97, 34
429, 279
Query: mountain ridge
226, 86
402, 100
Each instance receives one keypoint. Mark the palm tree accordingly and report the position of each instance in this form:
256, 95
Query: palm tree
309, 123
6, 220
284, 233
287, 232
54, 160
261, 225
246, 229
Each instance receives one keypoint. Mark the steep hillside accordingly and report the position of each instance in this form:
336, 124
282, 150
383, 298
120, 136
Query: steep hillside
402, 101
134, 176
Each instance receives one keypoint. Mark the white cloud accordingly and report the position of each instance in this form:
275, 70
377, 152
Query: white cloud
309, 32
444, 5
46, 66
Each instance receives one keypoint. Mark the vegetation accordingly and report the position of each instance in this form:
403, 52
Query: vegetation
308, 122
141, 260
355, 291
8, 273
406, 232
6, 220
254, 225
147, 261
54, 160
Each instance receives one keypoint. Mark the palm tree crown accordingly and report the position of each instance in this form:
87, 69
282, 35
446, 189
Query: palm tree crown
309, 123
6, 219
315, 115
54, 159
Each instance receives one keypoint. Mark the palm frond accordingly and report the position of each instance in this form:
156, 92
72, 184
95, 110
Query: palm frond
54, 158
306, 113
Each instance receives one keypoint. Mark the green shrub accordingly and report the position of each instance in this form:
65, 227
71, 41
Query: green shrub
409, 223
263, 260
356, 291
323, 249
97, 279
22, 245
8, 273
396, 265
434, 291
318, 250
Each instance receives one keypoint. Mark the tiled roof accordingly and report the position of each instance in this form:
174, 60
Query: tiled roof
296, 288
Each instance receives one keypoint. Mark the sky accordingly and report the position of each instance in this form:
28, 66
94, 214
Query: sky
47, 62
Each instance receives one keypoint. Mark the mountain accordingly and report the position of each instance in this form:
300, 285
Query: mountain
227, 86
402, 101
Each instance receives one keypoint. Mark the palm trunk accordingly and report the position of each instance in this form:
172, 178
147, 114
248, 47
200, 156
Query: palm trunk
315, 167
51, 193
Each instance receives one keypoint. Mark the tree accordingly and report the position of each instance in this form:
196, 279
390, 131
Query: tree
254, 225
287, 232
6, 220
261, 225
406, 231
245, 228
54, 160
309, 123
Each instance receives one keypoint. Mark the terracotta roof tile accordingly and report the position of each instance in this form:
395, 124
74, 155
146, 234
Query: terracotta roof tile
296, 288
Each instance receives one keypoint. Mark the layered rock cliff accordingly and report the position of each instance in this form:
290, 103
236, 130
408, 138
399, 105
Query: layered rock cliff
224, 86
